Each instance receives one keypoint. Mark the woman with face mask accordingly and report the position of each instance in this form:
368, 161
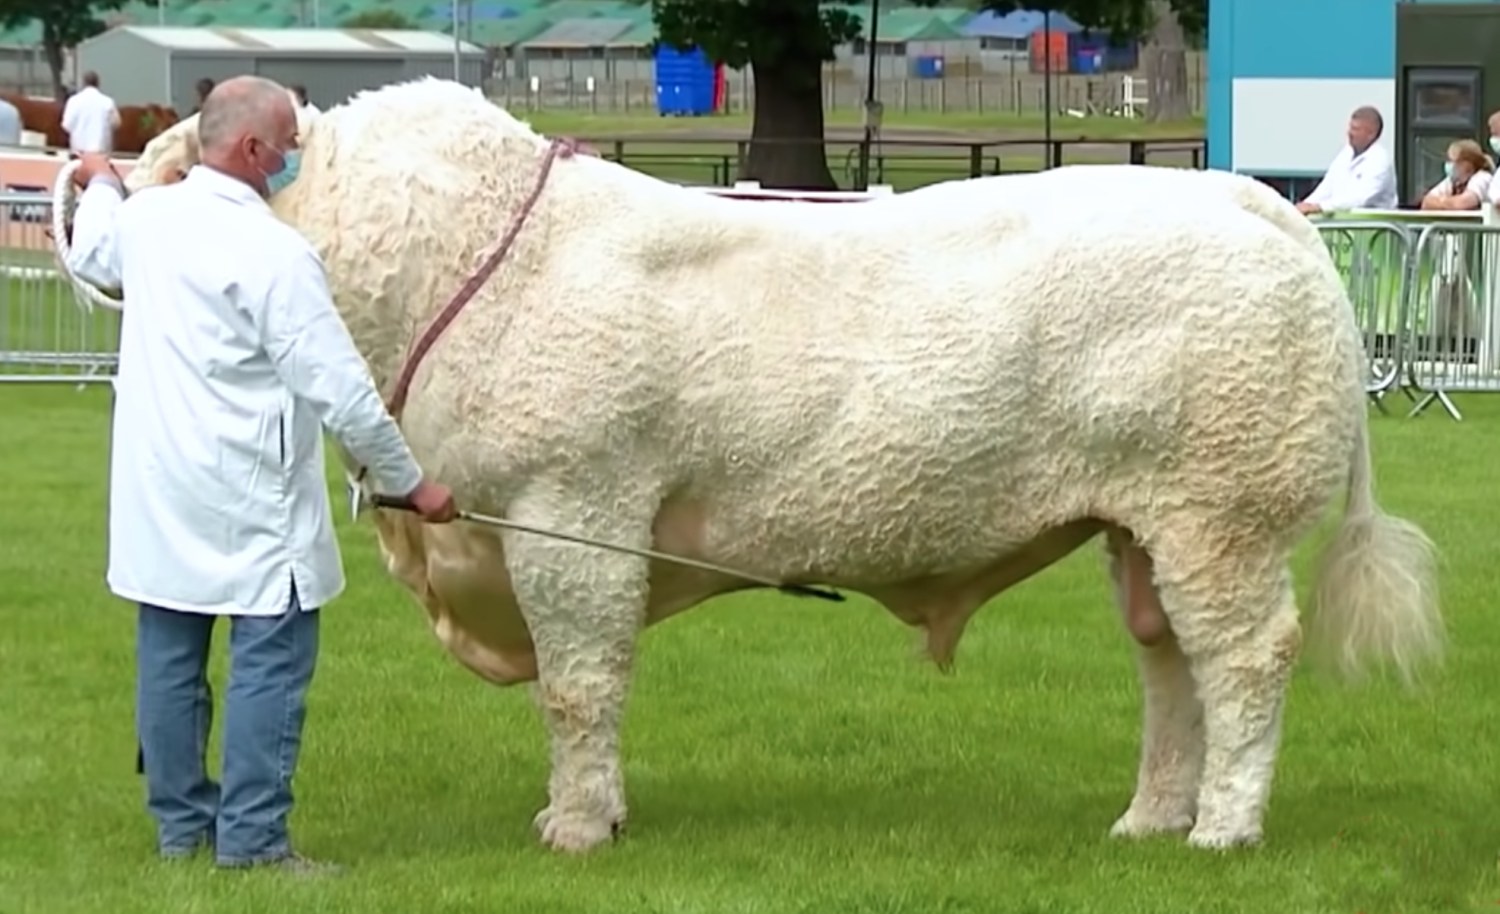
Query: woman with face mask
1466, 185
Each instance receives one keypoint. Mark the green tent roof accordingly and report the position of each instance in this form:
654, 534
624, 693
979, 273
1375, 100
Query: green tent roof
901, 23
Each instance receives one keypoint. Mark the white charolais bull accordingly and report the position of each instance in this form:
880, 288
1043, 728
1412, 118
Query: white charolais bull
925, 399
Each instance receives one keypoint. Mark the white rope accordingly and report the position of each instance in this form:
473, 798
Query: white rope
64, 202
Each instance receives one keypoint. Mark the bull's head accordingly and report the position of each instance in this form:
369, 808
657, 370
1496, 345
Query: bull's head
167, 157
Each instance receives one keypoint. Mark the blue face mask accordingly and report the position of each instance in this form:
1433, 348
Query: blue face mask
1448, 169
291, 163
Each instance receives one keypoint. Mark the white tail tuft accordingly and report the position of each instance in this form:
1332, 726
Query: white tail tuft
1377, 585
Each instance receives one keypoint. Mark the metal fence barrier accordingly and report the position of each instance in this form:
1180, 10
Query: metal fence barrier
47, 332
1373, 257
1454, 313
1427, 297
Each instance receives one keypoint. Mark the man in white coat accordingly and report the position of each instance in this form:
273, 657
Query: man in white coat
232, 361
1362, 175
90, 118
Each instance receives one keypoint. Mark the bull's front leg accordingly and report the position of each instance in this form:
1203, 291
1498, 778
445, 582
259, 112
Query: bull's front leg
584, 608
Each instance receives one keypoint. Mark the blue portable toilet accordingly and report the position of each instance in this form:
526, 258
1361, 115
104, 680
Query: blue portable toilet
1088, 60
927, 67
684, 82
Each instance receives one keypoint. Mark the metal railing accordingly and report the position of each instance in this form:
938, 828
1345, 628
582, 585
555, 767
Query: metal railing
1427, 298
47, 332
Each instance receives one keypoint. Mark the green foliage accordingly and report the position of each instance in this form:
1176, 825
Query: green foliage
378, 19
766, 32
737, 32
64, 22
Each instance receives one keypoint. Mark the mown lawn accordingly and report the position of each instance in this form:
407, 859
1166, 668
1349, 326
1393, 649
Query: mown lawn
781, 755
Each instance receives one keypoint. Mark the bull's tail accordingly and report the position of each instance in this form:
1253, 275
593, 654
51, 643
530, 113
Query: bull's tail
1376, 594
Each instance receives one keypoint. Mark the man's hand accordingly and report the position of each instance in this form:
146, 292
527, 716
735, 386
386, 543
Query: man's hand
433, 502
1307, 209
91, 165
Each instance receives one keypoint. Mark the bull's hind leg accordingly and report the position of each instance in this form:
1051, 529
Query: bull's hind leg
1166, 791
584, 608
1233, 610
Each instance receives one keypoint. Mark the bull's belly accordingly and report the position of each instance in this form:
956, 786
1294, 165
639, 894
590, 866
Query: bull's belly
866, 529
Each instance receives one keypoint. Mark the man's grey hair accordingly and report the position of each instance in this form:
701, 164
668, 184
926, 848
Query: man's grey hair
1370, 115
238, 106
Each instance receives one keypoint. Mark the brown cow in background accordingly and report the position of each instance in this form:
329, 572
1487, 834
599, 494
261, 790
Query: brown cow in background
139, 124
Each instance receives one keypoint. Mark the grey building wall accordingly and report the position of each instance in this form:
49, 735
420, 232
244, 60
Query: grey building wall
187, 67
131, 71
136, 71
577, 64
330, 79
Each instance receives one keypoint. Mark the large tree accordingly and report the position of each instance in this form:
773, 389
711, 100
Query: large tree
64, 24
785, 42
1165, 51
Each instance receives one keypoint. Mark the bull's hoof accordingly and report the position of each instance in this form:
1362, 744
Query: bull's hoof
1144, 824
1223, 839
573, 833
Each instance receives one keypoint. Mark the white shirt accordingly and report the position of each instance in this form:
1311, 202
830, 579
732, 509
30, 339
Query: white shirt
1479, 186
1364, 181
232, 357
90, 118
310, 111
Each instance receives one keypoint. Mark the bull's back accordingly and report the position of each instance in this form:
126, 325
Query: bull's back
959, 403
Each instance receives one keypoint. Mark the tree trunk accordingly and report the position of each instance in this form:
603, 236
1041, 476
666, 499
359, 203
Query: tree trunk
1166, 67
786, 136
52, 49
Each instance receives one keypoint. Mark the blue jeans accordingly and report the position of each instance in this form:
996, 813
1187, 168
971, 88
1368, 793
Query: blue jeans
271, 664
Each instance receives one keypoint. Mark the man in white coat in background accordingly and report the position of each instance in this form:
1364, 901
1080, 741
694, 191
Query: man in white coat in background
232, 361
1362, 175
90, 118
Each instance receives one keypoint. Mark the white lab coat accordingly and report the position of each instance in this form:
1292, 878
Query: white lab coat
232, 360
1364, 181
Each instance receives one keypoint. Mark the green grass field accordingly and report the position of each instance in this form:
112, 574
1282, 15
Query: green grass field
781, 755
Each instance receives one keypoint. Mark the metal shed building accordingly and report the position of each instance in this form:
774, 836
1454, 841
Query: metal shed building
145, 64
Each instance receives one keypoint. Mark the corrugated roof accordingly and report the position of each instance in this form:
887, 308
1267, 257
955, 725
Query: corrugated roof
310, 40
1015, 25
508, 32
492, 22
637, 36
914, 24
580, 33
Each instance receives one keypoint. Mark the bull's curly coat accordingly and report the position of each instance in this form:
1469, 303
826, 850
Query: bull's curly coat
925, 399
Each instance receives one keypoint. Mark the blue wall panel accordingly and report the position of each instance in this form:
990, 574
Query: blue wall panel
1220, 101
1340, 39
1306, 39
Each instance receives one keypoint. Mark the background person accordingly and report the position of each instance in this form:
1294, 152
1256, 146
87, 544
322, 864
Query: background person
1362, 175
90, 119
1467, 183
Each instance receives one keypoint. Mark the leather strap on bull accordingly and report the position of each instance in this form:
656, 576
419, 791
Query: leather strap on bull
559, 148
